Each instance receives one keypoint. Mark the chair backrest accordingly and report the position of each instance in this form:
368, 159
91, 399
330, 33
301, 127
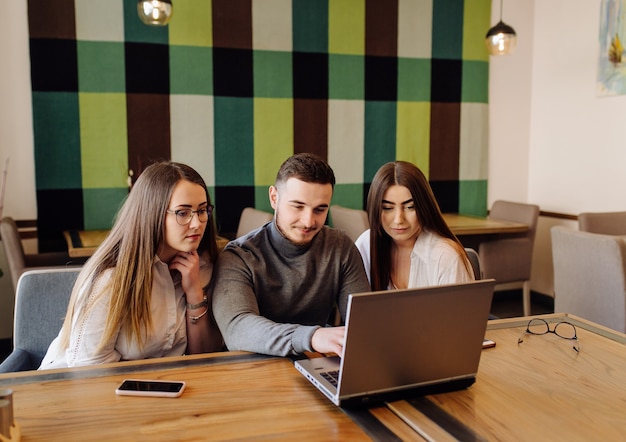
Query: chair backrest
590, 276
475, 261
352, 221
40, 306
13, 248
251, 219
510, 259
608, 223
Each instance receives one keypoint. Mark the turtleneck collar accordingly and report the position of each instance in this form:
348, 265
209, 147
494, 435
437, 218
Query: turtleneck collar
284, 245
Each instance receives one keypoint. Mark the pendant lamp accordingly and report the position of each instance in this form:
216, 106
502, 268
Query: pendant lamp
501, 39
155, 12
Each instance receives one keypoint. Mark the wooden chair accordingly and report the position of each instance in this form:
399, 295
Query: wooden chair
352, 221
608, 223
509, 259
590, 276
19, 261
40, 306
251, 219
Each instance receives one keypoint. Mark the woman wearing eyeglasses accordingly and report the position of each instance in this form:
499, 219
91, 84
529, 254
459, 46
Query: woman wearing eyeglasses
409, 243
145, 291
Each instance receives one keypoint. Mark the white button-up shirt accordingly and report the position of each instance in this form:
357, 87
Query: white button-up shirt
434, 261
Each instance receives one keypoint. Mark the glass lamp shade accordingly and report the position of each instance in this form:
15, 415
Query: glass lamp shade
155, 12
501, 39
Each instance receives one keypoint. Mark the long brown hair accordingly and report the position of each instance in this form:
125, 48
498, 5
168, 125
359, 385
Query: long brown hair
129, 250
402, 173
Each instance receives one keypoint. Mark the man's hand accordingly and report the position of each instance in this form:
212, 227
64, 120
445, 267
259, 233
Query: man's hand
329, 340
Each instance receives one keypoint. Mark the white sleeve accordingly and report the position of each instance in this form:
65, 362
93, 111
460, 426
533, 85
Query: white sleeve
363, 244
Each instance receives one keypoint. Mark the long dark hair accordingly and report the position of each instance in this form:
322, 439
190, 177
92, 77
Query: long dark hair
402, 173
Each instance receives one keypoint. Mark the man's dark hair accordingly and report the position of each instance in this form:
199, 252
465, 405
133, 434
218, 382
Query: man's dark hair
306, 167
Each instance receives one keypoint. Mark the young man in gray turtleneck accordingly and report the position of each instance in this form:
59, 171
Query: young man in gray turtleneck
276, 287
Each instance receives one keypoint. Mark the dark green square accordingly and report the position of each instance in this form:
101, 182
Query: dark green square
234, 141
473, 197
56, 128
136, 31
272, 74
380, 136
191, 70
346, 77
101, 206
414, 75
475, 88
349, 195
101, 66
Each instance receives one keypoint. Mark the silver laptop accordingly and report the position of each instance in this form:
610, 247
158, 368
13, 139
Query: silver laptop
405, 343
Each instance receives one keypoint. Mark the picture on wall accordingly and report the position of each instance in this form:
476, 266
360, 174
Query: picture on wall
611, 57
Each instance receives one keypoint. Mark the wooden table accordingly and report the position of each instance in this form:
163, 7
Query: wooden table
462, 225
83, 243
230, 396
472, 230
538, 390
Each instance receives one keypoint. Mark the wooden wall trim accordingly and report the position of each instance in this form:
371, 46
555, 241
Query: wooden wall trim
558, 215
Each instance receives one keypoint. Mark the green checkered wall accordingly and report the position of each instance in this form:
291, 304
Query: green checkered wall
233, 87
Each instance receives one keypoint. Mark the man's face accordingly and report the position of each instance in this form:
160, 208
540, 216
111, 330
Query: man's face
300, 208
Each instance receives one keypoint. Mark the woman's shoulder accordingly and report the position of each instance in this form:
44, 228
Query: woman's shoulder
435, 243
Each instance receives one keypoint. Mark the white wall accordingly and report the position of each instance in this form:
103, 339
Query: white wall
16, 136
553, 141
16, 123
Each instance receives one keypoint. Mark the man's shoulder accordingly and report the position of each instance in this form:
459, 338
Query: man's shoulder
335, 238
254, 240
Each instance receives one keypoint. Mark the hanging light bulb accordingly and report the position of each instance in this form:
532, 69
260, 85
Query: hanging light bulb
501, 39
155, 12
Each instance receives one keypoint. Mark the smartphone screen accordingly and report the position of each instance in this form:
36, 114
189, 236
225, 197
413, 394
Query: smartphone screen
140, 387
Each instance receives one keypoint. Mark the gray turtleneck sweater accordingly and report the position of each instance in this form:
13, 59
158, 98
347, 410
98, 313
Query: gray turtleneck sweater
270, 295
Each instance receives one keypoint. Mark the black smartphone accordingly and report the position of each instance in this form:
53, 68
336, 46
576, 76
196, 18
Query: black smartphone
143, 387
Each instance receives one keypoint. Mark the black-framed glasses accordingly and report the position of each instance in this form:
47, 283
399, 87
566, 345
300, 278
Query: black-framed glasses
184, 216
562, 329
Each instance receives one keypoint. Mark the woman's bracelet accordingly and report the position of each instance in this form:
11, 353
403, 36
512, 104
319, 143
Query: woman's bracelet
194, 319
203, 303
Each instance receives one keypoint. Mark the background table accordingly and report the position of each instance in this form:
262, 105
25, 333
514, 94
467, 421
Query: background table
83, 243
462, 225
472, 230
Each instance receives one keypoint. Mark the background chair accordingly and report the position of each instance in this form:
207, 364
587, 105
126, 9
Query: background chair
508, 259
19, 261
475, 261
251, 219
590, 276
608, 223
40, 306
352, 221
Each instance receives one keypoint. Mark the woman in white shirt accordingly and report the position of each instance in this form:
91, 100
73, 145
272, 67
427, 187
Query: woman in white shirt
145, 291
409, 243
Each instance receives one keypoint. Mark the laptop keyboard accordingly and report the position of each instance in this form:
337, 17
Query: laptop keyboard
331, 376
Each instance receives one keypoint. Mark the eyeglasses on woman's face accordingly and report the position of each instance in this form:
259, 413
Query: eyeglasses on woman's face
184, 216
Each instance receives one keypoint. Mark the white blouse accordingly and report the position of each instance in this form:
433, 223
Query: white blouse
168, 337
434, 261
